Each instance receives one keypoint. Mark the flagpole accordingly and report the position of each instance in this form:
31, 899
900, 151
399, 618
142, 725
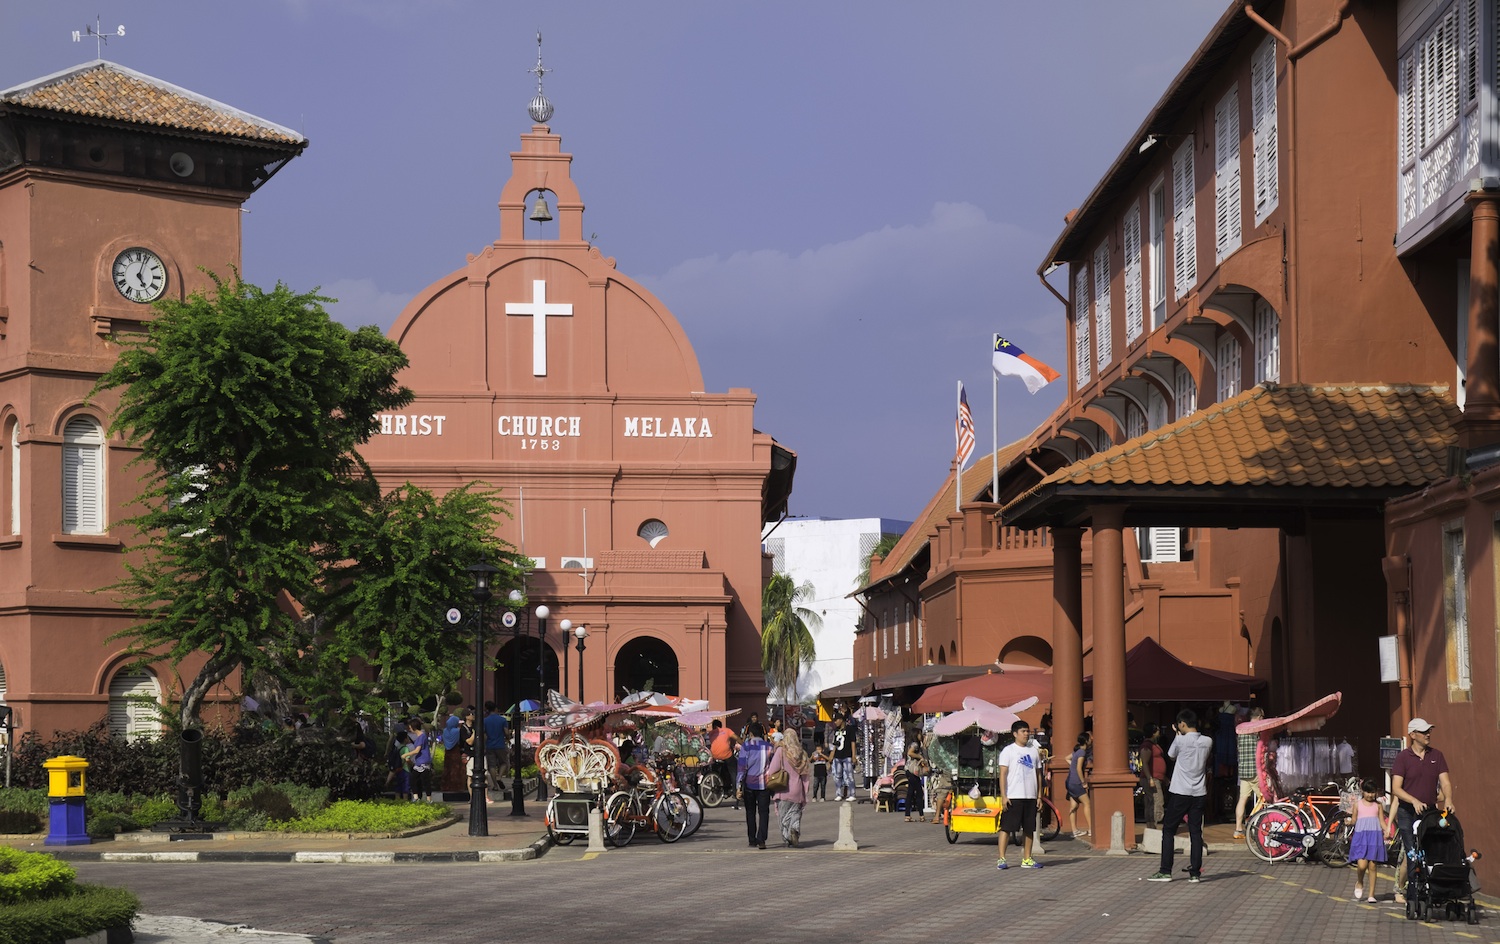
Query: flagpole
994, 429
958, 466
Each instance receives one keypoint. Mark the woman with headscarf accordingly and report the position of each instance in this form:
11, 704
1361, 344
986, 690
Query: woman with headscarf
453, 765
790, 757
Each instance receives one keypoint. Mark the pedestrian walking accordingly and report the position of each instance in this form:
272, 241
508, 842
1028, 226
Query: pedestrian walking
397, 777
791, 758
1367, 843
755, 757
1249, 776
721, 747
496, 747
917, 770
1186, 796
1153, 774
419, 755
1020, 785
1077, 785
1419, 780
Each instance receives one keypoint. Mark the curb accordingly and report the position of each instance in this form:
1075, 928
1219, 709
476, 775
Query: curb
533, 851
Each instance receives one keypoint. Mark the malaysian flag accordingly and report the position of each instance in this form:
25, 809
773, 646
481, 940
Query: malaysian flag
963, 428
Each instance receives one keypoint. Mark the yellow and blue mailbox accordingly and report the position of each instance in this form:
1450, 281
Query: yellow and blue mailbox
66, 788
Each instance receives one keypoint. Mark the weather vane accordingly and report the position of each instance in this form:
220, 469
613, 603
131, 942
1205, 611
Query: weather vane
540, 109
101, 38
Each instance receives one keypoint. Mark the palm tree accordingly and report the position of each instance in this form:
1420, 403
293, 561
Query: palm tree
883, 547
786, 642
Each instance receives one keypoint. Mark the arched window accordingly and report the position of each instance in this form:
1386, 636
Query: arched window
652, 531
13, 477
646, 663
1228, 366
83, 476
1267, 342
133, 701
1185, 393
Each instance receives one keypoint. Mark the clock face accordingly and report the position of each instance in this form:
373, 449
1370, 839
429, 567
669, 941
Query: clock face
140, 275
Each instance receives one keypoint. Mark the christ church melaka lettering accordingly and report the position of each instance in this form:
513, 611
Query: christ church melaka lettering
681, 427
413, 424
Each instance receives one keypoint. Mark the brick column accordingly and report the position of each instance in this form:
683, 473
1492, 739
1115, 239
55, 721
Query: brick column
1067, 652
1113, 785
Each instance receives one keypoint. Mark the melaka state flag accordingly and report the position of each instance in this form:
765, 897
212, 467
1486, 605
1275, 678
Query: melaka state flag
1011, 361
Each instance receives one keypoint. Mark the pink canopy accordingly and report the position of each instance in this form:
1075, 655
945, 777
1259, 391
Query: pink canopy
1310, 718
977, 711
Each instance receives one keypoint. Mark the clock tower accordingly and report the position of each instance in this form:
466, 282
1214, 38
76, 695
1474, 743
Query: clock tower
115, 188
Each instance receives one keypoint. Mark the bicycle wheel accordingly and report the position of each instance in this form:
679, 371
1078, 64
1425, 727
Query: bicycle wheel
695, 812
669, 816
1263, 829
711, 789
619, 824
1048, 820
1335, 844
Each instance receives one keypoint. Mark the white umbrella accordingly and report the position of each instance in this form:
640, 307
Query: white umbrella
980, 713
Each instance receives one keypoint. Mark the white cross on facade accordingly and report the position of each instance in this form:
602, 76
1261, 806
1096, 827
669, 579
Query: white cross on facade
538, 309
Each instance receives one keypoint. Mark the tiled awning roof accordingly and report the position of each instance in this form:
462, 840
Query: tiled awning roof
1343, 446
104, 90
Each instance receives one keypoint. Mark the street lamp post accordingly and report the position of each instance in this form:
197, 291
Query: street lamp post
517, 802
566, 627
479, 823
581, 633
542, 612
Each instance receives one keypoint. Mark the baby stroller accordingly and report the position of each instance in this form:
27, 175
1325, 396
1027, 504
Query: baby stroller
1440, 873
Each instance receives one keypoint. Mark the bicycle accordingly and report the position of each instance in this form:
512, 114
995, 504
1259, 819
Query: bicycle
1299, 826
713, 787
667, 813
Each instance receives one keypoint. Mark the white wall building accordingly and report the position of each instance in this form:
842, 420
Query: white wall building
828, 552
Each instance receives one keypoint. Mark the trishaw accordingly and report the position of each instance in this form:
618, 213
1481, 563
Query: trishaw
580, 770
964, 752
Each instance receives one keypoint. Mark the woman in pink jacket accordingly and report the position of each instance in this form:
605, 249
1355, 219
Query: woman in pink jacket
790, 757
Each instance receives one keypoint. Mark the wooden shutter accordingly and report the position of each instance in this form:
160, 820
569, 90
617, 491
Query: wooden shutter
1267, 342
1227, 212
1185, 393
132, 700
2, 683
1166, 544
1134, 306
1103, 326
1156, 409
83, 476
1263, 125
1184, 226
1228, 366
1082, 353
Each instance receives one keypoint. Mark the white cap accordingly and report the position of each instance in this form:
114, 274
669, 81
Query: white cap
776, 736
1418, 724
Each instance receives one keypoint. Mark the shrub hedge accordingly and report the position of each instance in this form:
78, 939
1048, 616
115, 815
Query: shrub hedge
246, 756
380, 816
31, 876
84, 910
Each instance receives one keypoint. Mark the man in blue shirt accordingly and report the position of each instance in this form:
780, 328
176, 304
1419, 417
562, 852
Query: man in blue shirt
755, 757
496, 748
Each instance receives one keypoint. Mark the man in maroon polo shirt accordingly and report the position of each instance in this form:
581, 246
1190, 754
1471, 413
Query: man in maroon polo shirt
1419, 780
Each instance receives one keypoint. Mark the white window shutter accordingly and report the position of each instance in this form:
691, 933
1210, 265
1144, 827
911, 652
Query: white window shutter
1135, 422
1166, 544
83, 476
1185, 400
1134, 304
1228, 366
1184, 225
1267, 343
1227, 211
1082, 353
132, 700
1156, 409
1263, 124
1103, 320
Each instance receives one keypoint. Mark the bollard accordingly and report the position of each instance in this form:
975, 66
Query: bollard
846, 841
596, 830
1116, 834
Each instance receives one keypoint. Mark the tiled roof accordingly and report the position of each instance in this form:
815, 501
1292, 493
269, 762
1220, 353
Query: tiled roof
975, 479
108, 91
1350, 436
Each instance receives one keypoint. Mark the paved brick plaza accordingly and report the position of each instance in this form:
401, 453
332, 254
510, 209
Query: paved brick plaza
906, 883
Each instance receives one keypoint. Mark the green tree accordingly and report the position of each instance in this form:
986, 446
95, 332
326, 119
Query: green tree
247, 407
404, 564
884, 546
786, 642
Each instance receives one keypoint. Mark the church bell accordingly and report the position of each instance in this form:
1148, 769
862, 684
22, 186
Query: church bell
539, 210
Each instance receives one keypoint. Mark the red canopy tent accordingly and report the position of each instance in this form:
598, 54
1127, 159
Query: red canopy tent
1006, 687
1154, 674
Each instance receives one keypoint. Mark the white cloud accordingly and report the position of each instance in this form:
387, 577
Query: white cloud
362, 302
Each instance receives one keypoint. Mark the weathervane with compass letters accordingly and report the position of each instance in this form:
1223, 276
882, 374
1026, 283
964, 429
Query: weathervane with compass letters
96, 32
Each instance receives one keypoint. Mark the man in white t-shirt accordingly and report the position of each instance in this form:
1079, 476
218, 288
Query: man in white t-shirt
1186, 796
1020, 782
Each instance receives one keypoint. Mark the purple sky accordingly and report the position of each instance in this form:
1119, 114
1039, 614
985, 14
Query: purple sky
840, 201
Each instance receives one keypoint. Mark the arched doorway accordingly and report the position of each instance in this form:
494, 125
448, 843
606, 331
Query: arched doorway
646, 663
532, 681
1027, 650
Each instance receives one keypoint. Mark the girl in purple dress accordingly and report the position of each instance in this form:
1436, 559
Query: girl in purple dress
1367, 844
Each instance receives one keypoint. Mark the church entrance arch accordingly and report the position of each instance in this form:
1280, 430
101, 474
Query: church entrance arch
646, 663
535, 668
